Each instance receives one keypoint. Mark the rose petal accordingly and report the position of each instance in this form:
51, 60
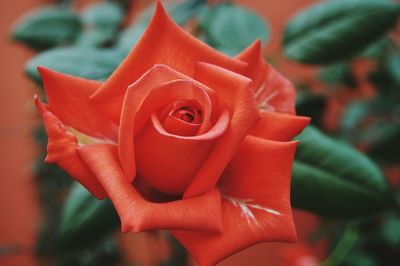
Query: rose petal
133, 101
68, 99
278, 94
61, 149
274, 92
177, 158
235, 92
201, 213
279, 126
256, 67
151, 92
164, 42
256, 202
176, 126
217, 130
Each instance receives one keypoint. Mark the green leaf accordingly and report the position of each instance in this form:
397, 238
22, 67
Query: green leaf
181, 11
95, 38
184, 11
374, 123
101, 23
104, 15
232, 28
332, 179
360, 259
337, 74
85, 220
126, 4
337, 29
386, 147
378, 49
393, 67
130, 36
88, 63
360, 115
355, 112
391, 231
48, 27
311, 105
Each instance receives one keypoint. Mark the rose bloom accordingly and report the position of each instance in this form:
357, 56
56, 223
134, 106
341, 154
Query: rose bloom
184, 138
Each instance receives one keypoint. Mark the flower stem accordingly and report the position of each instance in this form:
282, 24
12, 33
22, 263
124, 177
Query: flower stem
343, 247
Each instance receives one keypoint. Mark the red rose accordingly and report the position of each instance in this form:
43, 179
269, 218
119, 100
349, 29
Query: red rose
182, 137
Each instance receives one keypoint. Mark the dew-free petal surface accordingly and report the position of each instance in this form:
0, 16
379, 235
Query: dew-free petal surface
256, 68
178, 159
234, 91
176, 126
201, 213
256, 202
61, 149
273, 91
279, 126
133, 101
68, 99
277, 94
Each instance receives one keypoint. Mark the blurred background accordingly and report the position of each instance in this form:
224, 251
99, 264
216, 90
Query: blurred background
353, 96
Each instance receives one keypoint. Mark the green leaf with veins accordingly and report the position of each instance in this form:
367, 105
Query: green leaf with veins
332, 179
90, 63
335, 30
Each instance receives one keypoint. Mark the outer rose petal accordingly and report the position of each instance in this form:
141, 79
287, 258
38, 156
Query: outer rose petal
256, 205
164, 42
235, 92
201, 213
61, 149
278, 126
273, 91
278, 94
256, 67
68, 99
134, 99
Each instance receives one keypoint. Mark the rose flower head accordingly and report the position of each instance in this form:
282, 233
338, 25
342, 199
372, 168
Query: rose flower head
184, 138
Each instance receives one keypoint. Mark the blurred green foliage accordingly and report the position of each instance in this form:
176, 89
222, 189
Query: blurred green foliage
231, 29
101, 23
48, 27
337, 34
91, 63
336, 30
341, 178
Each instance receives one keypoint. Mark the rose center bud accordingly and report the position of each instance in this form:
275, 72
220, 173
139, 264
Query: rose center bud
182, 118
185, 115
188, 115
169, 150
